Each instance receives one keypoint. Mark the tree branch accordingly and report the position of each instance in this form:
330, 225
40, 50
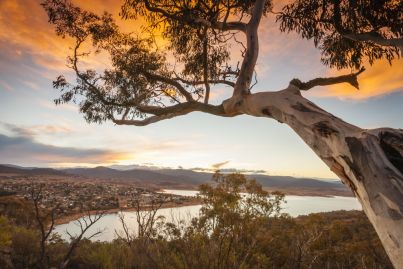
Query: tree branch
205, 67
375, 38
350, 78
75, 240
252, 50
172, 82
210, 81
163, 113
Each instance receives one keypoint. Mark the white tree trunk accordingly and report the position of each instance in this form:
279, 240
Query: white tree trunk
370, 162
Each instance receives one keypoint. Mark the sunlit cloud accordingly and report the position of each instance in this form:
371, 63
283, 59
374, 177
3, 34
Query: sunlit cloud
19, 144
24, 18
379, 79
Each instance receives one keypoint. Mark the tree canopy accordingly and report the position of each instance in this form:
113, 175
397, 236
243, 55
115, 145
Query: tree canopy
142, 86
145, 84
347, 31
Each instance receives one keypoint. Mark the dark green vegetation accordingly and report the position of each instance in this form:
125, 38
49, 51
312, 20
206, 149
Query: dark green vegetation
230, 232
347, 32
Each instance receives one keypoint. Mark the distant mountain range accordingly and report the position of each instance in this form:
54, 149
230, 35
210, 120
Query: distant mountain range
182, 178
33, 171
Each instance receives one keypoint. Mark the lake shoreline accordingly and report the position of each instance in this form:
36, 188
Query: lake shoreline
194, 201
286, 191
73, 217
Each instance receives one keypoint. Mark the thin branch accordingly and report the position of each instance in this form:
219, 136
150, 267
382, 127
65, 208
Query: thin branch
350, 78
97, 92
376, 38
172, 82
223, 26
75, 240
210, 81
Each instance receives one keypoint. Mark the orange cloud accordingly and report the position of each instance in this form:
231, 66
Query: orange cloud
30, 32
27, 36
378, 79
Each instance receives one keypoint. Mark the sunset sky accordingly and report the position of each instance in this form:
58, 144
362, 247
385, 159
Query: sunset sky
34, 132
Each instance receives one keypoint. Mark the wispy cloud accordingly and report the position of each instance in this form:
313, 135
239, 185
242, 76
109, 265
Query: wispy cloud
5, 86
217, 166
34, 130
23, 149
230, 170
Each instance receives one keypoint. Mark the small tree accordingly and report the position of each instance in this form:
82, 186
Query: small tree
85, 224
141, 87
235, 212
45, 220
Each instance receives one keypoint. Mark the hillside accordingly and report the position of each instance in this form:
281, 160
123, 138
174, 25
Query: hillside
183, 179
18, 170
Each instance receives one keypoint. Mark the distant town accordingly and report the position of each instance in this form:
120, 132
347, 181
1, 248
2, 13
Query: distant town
74, 197
77, 191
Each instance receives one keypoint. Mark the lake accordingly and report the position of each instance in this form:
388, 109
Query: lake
296, 205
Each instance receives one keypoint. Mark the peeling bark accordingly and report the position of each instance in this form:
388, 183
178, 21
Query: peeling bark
370, 162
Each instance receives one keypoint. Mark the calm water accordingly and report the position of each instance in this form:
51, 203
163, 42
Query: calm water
296, 205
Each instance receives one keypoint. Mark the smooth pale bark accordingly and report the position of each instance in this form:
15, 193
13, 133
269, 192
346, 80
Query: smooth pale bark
370, 162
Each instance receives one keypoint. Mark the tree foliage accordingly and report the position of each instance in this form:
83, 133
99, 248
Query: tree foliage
143, 85
348, 32
140, 81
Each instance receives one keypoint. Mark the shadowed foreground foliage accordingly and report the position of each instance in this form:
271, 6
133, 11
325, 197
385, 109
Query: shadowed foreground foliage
233, 230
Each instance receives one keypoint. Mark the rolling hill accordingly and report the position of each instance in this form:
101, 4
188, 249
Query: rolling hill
184, 179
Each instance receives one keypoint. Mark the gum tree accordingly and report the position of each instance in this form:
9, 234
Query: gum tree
142, 86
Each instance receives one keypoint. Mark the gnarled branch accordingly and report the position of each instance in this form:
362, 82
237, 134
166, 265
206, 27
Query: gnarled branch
350, 78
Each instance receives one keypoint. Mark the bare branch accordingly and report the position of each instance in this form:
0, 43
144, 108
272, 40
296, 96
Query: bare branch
75, 240
350, 78
128, 238
41, 219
